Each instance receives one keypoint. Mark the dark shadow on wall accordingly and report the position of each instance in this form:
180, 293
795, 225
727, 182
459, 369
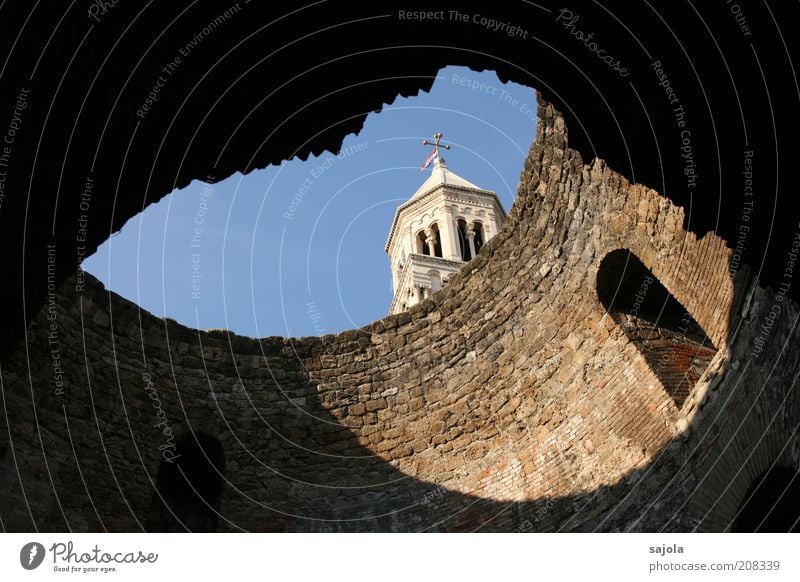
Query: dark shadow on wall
772, 504
674, 345
189, 486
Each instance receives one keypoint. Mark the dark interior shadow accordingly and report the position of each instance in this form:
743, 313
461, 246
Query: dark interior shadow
189, 487
674, 345
772, 503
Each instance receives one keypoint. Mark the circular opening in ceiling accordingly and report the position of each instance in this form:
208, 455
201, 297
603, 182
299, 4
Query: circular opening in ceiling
300, 249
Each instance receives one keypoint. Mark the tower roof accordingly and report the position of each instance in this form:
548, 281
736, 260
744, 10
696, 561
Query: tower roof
441, 175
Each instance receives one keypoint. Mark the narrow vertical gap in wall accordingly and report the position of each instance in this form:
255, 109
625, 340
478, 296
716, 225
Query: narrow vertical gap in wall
188, 487
772, 503
673, 344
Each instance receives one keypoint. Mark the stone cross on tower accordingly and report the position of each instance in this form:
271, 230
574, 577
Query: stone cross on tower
441, 227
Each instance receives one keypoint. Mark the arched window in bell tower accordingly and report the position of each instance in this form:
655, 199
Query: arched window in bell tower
437, 246
463, 241
479, 236
422, 244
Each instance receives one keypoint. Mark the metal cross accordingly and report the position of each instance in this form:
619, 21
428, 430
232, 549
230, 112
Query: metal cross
435, 143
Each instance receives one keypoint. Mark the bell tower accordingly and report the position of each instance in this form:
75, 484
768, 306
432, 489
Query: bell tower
438, 230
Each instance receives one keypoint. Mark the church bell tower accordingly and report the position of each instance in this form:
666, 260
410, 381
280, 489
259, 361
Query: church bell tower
438, 230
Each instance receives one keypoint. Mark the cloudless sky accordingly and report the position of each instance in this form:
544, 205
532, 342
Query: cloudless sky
298, 249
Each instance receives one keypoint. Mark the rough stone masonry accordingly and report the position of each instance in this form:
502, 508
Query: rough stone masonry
509, 401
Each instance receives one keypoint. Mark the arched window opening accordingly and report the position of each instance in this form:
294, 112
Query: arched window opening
463, 240
674, 345
436, 281
422, 244
437, 246
772, 503
189, 486
479, 236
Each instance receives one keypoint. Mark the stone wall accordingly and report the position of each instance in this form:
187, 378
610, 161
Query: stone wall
91, 149
510, 401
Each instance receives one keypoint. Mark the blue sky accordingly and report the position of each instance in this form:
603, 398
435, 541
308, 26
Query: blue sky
298, 249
